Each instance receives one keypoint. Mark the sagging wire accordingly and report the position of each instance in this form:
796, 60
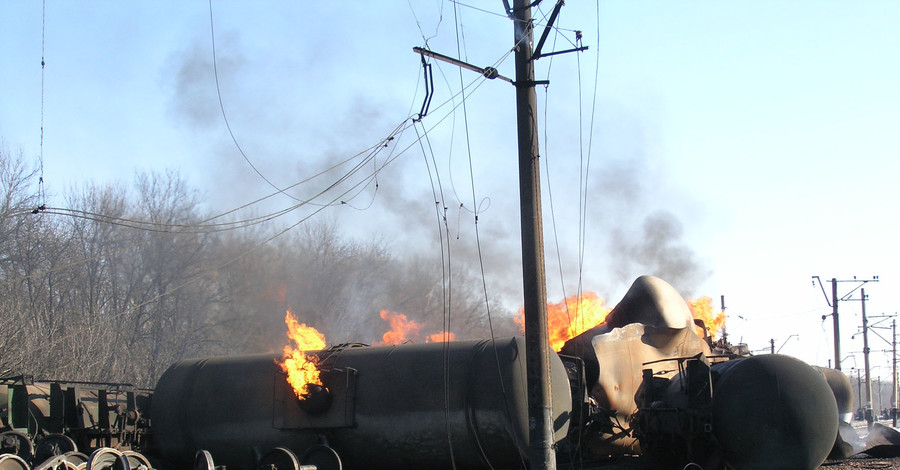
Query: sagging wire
546, 142
393, 136
419, 24
477, 235
446, 267
369, 153
372, 151
203, 273
206, 226
183, 228
584, 169
446, 271
584, 194
212, 32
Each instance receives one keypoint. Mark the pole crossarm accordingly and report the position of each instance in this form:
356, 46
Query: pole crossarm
488, 72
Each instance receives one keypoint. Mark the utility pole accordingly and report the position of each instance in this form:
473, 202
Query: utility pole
724, 331
833, 303
772, 346
869, 417
894, 373
859, 392
537, 343
537, 346
837, 325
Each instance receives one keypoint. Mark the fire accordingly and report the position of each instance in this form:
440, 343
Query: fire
404, 330
300, 367
702, 309
442, 337
571, 317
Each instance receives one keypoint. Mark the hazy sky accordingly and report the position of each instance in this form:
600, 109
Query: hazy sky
733, 148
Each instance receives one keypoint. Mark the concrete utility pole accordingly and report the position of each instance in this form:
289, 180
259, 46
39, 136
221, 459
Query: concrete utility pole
537, 346
894, 373
869, 414
724, 331
859, 391
837, 325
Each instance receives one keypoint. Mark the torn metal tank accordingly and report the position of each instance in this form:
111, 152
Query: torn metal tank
651, 324
653, 387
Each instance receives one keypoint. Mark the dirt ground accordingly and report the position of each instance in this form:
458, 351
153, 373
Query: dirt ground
861, 462
855, 463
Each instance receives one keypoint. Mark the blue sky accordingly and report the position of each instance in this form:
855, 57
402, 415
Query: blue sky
761, 136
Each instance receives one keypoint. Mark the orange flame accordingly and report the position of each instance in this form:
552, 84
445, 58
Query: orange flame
702, 309
571, 317
402, 329
301, 368
441, 337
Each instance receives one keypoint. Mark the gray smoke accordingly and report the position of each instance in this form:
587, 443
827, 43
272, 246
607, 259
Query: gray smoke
637, 221
657, 248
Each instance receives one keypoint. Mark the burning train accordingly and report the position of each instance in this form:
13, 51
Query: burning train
642, 382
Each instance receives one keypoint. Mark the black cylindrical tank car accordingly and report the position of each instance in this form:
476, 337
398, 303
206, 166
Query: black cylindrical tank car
431, 405
760, 412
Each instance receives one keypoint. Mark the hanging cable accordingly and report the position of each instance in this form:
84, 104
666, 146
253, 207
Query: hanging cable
212, 32
41, 194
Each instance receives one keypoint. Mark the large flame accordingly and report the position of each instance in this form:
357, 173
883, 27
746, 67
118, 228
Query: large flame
702, 309
571, 317
577, 314
301, 368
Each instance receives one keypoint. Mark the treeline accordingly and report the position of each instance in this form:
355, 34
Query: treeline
123, 282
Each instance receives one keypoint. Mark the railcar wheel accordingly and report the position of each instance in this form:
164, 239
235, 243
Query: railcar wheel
136, 460
76, 457
278, 458
53, 445
12, 462
203, 461
106, 458
16, 443
323, 457
57, 462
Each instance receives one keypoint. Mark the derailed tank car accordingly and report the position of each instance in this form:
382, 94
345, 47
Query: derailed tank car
431, 405
770, 411
655, 388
